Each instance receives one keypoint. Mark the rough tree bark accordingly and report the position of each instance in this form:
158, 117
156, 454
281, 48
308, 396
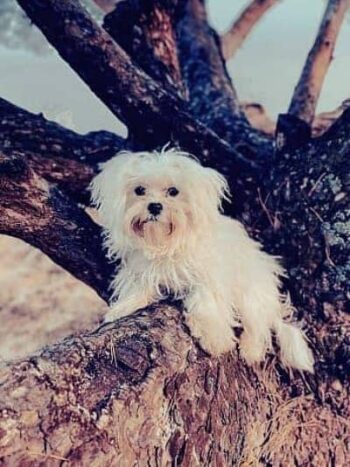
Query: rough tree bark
37, 212
57, 154
233, 39
307, 91
141, 391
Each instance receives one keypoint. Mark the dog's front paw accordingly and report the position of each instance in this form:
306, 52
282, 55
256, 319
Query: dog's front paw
215, 339
110, 316
250, 349
117, 311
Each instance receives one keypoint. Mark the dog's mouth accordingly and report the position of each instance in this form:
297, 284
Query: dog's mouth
138, 225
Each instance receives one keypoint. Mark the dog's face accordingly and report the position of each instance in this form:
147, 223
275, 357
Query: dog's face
157, 201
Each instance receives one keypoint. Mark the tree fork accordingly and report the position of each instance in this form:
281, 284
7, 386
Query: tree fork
147, 110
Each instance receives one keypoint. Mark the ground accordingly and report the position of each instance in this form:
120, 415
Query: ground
39, 302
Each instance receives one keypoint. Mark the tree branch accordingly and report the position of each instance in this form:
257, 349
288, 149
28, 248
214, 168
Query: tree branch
40, 214
152, 115
212, 97
141, 393
233, 39
306, 94
145, 31
57, 154
202, 65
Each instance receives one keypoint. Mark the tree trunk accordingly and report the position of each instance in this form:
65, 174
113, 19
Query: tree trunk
141, 391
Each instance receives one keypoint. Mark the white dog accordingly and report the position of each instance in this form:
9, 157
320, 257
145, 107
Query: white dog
160, 212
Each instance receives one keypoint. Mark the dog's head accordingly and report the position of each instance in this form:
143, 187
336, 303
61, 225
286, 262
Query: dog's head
157, 201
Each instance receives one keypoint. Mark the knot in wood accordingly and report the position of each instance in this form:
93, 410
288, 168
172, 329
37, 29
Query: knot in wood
134, 355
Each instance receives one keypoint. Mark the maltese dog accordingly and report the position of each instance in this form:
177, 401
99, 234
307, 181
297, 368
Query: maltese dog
161, 216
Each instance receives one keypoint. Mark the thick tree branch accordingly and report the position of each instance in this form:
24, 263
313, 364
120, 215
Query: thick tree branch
131, 95
212, 97
40, 214
142, 393
233, 39
145, 31
57, 154
202, 64
305, 98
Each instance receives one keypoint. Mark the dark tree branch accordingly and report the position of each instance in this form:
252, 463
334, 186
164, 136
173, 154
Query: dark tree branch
20, 129
306, 94
212, 97
202, 64
57, 154
40, 214
145, 31
233, 39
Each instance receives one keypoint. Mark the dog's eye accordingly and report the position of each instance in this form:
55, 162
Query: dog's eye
140, 190
172, 191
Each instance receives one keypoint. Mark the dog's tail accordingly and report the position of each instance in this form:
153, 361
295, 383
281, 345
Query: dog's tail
295, 351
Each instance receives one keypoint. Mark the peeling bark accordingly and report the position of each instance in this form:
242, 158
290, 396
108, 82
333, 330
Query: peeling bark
233, 39
306, 94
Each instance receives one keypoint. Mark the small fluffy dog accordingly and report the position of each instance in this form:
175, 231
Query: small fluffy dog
161, 215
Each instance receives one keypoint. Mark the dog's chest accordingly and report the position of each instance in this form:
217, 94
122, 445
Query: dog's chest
168, 275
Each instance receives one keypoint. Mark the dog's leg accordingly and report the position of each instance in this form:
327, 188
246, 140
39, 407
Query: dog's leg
256, 313
129, 303
210, 320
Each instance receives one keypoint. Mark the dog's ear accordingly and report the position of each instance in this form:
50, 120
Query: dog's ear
107, 188
216, 187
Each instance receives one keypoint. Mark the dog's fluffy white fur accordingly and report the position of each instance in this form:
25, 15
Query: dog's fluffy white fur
161, 215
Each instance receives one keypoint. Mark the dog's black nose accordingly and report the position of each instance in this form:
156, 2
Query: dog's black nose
155, 208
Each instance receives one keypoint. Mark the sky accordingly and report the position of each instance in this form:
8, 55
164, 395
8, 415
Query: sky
265, 69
